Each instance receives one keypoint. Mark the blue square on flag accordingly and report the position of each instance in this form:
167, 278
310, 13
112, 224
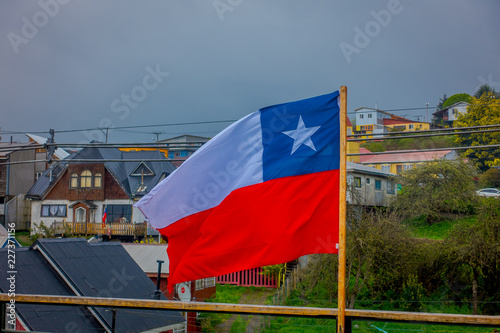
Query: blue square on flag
301, 137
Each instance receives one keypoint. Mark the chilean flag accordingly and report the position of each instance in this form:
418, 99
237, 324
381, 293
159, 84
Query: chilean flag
104, 216
263, 191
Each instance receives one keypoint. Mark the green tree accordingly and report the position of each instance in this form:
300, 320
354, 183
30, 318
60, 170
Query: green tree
435, 189
380, 257
481, 111
439, 105
455, 99
485, 89
473, 253
490, 178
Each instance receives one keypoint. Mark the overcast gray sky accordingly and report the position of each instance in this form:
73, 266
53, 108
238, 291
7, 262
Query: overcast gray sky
76, 64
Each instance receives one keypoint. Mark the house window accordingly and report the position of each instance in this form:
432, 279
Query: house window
53, 211
73, 181
378, 184
86, 179
390, 187
119, 213
80, 215
386, 168
399, 168
205, 283
407, 166
361, 116
367, 181
357, 182
142, 170
410, 126
369, 115
97, 180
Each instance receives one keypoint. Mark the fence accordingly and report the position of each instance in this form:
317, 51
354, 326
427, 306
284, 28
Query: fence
247, 278
111, 229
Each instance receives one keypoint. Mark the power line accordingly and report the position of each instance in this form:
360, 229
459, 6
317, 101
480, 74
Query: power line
430, 130
193, 123
173, 160
424, 150
422, 135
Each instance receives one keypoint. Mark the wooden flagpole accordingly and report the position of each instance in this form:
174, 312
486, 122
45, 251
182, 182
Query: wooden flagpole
342, 211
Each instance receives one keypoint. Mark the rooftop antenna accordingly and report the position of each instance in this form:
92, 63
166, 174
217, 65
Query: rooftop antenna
158, 290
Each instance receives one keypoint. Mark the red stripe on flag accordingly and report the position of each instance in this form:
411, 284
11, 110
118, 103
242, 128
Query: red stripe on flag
263, 224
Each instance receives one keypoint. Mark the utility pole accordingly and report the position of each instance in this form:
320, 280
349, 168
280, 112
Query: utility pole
51, 148
157, 138
427, 107
105, 133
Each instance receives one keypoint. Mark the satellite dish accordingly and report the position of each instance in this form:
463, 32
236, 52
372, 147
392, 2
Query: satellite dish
184, 292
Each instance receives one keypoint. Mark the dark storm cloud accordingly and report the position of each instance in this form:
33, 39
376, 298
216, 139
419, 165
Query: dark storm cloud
87, 64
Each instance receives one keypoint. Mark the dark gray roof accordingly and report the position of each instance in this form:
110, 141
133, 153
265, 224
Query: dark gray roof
75, 267
48, 178
121, 170
35, 277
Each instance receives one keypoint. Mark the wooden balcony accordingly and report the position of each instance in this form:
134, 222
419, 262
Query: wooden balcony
109, 229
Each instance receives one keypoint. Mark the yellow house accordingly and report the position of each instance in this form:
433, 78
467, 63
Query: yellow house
352, 147
405, 125
374, 122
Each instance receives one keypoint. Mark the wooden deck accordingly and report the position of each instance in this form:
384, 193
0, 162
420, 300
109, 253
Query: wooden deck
110, 229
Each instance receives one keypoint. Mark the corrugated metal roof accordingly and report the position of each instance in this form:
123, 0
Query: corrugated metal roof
102, 269
356, 167
34, 276
146, 255
417, 156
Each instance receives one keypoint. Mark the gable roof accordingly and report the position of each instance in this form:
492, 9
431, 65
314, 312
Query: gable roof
388, 122
120, 170
70, 267
461, 103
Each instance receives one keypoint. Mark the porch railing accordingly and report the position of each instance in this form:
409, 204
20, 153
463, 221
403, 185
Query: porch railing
110, 229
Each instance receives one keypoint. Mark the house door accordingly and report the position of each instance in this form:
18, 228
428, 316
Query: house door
80, 215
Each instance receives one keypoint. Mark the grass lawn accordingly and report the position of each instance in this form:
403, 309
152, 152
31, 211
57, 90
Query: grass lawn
225, 293
23, 237
438, 230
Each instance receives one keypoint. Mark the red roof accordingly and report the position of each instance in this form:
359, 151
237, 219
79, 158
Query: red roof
416, 156
349, 124
363, 158
398, 121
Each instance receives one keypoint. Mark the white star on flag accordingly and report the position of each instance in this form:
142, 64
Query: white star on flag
302, 135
